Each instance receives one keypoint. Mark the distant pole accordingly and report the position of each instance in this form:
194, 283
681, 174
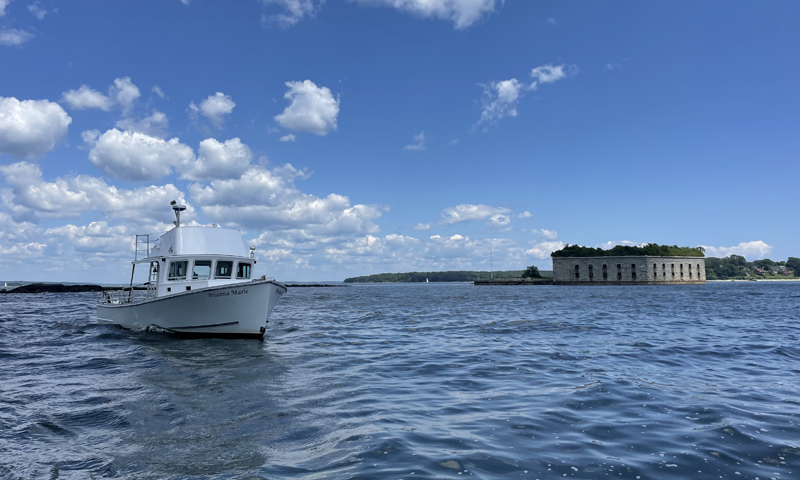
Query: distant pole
491, 261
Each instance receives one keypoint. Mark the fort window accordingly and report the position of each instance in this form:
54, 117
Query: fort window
591, 272
605, 272
619, 272
655, 271
577, 272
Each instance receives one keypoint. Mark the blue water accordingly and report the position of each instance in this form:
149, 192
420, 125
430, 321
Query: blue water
415, 381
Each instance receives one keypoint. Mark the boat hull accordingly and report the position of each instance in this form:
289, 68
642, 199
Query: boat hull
237, 310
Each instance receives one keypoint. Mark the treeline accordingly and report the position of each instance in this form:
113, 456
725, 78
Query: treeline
651, 249
453, 276
737, 267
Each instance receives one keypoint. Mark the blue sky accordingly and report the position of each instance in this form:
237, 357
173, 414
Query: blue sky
352, 137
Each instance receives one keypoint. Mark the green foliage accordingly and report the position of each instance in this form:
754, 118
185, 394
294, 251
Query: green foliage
532, 272
737, 267
793, 264
651, 249
453, 276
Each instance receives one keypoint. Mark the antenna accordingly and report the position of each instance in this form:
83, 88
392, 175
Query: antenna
177, 208
491, 261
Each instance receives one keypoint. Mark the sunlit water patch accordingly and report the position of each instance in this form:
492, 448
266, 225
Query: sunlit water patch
415, 381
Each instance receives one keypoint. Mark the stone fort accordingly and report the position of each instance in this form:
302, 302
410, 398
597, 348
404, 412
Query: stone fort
629, 270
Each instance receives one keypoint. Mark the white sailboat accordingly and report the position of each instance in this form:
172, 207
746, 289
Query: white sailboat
199, 285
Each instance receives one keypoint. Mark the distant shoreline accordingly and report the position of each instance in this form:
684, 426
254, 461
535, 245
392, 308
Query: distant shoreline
758, 280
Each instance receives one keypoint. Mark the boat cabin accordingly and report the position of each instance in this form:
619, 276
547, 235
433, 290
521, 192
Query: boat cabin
188, 258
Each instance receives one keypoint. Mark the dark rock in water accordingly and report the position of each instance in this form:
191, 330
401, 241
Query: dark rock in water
54, 288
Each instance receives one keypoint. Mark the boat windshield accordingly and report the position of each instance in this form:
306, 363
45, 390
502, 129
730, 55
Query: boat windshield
202, 269
177, 270
224, 269
243, 270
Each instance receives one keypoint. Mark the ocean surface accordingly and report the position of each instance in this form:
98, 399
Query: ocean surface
415, 381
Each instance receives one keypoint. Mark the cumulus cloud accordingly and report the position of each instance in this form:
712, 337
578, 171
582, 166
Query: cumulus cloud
122, 93
548, 234
312, 109
69, 197
136, 156
525, 214
754, 250
217, 160
214, 108
548, 73
419, 143
542, 250
268, 198
31, 127
3, 4
423, 226
292, 11
14, 36
154, 125
500, 99
36, 9
463, 13
157, 90
467, 212
288, 138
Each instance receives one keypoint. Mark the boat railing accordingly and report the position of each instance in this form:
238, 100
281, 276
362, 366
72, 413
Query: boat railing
133, 294
142, 246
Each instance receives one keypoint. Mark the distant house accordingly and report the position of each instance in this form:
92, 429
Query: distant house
761, 270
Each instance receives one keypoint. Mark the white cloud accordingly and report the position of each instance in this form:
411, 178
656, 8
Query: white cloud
155, 125
84, 97
218, 160
3, 4
214, 108
552, 21
548, 234
37, 10
466, 212
422, 226
751, 250
31, 127
613, 243
453, 142
288, 138
525, 214
69, 197
264, 198
14, 36
500, 99
548, 73
136, 156
463, 13
419, 143
313, 109
293, 11
157, 90
123, 93
542, 250
611, 66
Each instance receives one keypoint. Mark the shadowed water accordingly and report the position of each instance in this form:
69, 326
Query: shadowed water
415, 381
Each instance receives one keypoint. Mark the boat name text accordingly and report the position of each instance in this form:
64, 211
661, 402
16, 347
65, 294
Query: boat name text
228, 293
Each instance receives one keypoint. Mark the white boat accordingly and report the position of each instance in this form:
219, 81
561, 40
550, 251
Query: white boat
199, 285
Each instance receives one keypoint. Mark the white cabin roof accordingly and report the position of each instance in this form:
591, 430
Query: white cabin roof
200, 241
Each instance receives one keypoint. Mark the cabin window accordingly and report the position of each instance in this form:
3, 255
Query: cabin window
177, 270
243, 270
224, 269
201, 270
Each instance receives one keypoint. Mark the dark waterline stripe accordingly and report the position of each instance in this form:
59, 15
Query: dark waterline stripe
204, 326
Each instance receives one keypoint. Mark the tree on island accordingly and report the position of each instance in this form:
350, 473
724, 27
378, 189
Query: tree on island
532, 272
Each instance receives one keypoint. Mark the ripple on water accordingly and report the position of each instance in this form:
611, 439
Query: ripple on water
415, 381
